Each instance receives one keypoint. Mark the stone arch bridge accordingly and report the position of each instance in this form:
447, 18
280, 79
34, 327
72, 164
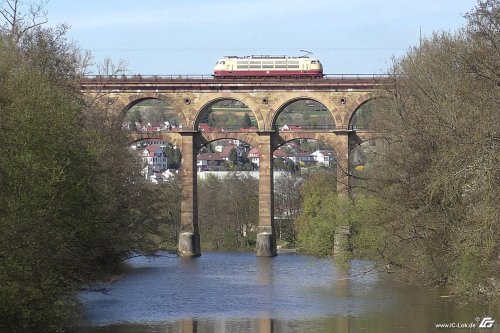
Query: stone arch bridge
266, 98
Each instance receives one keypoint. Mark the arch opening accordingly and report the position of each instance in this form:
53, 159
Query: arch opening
226, 115
151, 115
368, 114
304, 114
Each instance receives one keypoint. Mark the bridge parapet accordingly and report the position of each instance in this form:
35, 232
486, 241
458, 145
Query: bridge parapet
174, 77
207, 82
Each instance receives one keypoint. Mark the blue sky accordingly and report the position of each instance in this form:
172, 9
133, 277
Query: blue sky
189, 36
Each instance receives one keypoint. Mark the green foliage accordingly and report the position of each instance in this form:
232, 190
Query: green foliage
287, 202
233, 155
72, 203
315, 225
247, 121
45, 187
228, 212
368, 236
439, 180
174, 156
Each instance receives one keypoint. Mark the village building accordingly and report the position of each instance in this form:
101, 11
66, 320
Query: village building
324, 157
154, 160
208, 161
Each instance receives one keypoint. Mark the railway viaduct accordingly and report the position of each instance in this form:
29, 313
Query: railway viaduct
266, 98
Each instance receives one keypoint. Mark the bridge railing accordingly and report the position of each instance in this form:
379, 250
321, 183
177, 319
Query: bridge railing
291, 128
206, 77
225, 128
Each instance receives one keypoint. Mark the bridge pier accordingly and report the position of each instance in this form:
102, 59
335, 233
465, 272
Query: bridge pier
266, 236
342, 148
189, 235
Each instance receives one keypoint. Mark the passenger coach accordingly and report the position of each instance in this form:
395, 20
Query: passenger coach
261, 66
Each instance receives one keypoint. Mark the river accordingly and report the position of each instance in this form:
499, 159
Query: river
239, 292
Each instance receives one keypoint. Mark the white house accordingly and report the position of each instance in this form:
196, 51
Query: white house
169, 174
154, 160
254, 155
305, 158
324, 157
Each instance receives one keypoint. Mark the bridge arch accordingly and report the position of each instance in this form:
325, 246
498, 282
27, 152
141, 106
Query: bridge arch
363, 107
336, 119
207, 101
136, 99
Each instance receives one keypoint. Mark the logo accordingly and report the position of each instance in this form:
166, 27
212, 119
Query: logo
487, 322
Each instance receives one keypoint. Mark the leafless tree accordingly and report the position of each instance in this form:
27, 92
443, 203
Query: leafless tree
440, 178
21, 16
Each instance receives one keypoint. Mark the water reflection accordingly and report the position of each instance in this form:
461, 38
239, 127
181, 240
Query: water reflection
238, 292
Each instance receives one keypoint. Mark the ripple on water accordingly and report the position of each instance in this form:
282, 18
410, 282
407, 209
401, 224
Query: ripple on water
226, 285
238, 292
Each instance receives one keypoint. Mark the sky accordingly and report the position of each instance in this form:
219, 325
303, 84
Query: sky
187, 37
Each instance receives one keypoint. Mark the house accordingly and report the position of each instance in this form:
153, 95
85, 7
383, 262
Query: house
206, 161
170, 174
156, 178
127, 126
280, 154
324, 157
154, 160
204, 127
254, 155
155, 126
226, 151
302, 158
290, 128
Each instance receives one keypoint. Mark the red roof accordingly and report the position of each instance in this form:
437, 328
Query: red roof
152, 148
254, 152
227, 150
279, 153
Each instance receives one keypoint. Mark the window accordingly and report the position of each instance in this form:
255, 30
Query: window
313, 61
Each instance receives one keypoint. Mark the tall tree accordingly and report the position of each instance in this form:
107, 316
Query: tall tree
315, 224
71, 204
228, 210
247, 122
287, 205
